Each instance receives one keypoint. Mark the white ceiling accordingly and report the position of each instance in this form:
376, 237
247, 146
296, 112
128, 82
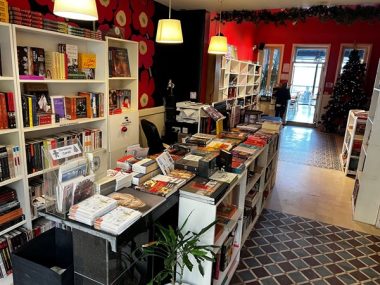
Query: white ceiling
214, 5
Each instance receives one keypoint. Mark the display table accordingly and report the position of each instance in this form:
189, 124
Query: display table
103, 258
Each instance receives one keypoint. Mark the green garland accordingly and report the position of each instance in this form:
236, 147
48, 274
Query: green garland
341, 14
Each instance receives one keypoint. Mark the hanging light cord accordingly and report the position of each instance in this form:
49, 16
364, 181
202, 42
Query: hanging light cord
220, 17
170, 8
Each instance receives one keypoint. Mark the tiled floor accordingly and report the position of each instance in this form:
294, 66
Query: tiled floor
293, 249
286, 249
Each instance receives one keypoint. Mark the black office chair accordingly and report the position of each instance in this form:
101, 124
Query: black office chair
152, 136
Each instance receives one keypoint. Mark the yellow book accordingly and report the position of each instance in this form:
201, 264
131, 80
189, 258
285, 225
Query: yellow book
30, 108
87, 60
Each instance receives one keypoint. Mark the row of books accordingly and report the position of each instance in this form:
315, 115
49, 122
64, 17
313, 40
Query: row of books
57, 108
25, 17
14, 239
10, 162
35, 19
4, 14
90, 139
7, 111
66, 63
10, 211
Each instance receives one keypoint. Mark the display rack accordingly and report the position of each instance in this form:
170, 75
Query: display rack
352, 143
366, 194
261, 171
123, 127
237, 82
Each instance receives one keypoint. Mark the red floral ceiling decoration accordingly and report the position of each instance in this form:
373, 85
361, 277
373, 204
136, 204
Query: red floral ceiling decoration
146, 89
143, 11
146, 51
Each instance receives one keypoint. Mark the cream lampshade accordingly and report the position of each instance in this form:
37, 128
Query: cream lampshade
169, 31
218, 45
76, 9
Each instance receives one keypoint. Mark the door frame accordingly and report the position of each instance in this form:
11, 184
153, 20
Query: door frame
318, 103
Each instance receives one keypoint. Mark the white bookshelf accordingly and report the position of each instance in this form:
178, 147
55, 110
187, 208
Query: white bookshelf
242, 78
119, 140
366, 195
263, 165
352, 142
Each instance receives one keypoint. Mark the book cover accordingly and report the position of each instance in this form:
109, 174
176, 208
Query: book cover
58, 106
223, 176
203, 188
87, 64
41, 92
22, 60
161, 185
119, 62
38, 56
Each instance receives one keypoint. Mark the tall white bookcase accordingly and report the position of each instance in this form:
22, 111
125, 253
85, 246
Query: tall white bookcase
12, 36
237, 82
120, 138
353, 139
366, 195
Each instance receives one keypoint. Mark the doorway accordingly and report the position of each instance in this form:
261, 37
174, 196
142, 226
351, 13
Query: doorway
307, 81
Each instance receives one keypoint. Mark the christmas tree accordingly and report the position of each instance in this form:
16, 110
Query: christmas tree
348, 94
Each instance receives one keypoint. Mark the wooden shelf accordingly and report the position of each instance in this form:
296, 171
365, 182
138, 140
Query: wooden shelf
9, 181
63, 81
8, 280
230, 270
121, 78
34, 174
6, 78
64, 124
7, 230
8, 131
227, 229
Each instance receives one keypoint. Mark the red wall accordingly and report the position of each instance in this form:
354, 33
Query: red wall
313, 31
244, 36
240, 35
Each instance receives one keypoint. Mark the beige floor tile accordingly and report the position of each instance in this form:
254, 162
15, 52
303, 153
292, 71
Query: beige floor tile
316, 193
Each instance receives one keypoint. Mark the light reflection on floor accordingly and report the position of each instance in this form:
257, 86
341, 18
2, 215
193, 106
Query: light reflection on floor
301, 114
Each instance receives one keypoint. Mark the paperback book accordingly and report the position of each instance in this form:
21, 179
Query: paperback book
162, 185
209, 191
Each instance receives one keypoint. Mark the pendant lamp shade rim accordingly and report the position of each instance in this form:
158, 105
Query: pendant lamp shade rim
218, 45
79, 10
169, 31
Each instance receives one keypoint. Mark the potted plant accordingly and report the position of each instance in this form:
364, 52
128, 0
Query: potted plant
175, 248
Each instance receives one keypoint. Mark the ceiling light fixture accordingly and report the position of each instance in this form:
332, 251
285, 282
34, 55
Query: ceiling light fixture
218, 43
76, 9
169, 31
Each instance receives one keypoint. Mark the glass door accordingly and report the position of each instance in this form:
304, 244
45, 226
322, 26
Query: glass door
270, 60
307, 74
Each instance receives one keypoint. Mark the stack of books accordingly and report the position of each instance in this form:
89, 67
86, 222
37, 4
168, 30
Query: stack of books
162, 185
7, 111
122, 178
4, 14
92, 208
205, 190
10, 162
143, 170
55, 26
25, 17
10, 211
117, 221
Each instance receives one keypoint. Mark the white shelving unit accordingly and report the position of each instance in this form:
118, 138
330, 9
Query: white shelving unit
366, 194
237, 82
262, 167
352, 142
117, 139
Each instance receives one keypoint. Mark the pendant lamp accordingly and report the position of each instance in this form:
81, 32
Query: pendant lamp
169, 31
76, 9
218, 43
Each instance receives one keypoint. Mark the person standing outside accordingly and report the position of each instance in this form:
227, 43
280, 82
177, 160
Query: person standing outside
282, 95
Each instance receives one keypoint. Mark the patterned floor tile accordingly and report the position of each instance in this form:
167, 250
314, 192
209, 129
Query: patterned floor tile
285, 249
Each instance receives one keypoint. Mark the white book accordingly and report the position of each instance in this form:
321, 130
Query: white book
145, 165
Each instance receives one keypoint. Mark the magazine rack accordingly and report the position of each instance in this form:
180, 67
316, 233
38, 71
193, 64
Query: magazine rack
68, 179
